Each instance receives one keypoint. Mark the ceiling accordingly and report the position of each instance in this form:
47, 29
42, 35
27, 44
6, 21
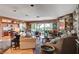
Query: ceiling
37, 12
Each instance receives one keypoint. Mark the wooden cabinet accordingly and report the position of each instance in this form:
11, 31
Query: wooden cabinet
67, 22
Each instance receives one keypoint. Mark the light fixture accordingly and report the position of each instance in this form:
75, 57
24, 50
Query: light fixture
37, 16
26, 15
14, 10
32, 5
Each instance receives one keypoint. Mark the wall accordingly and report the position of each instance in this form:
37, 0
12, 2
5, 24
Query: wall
0, 29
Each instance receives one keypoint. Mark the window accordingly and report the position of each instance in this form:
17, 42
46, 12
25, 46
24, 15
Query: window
41, 27
48, 26
33, 27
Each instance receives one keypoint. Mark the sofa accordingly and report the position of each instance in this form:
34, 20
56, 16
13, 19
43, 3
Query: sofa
65, 45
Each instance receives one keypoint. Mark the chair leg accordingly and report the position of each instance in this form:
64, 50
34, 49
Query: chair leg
13, 45
33, 50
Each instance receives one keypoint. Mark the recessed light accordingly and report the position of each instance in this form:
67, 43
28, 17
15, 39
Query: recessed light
26, 15
32, 5
37, 16
14, 10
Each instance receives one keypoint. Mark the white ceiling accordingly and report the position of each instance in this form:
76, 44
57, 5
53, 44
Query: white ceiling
44, 11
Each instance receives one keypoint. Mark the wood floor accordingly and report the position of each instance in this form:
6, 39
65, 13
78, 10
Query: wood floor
22, 50
19, 51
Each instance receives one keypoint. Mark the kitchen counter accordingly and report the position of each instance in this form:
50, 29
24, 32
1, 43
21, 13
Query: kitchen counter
27, 42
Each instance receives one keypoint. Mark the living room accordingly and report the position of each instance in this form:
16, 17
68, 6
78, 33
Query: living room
43, 29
